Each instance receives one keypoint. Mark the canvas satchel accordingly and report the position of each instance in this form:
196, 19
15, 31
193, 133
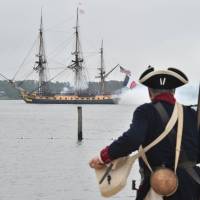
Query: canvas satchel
113, 178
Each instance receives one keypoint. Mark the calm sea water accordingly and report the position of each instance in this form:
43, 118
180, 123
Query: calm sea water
40, 158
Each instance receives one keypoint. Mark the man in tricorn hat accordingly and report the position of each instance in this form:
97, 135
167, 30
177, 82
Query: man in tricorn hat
149, 121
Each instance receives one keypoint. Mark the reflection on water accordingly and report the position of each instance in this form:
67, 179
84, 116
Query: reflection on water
40, 157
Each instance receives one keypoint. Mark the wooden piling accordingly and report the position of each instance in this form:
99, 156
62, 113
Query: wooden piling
80, 132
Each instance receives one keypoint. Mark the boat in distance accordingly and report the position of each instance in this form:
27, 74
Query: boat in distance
81, 93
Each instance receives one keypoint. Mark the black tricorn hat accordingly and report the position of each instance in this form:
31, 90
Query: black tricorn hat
163, 79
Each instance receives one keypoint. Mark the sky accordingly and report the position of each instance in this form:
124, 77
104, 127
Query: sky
136, 33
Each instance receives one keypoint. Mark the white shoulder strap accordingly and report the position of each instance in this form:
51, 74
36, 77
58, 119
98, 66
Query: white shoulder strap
178, 140
168, 128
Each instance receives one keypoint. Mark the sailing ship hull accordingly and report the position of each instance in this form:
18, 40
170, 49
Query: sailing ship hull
36, 101
70, 99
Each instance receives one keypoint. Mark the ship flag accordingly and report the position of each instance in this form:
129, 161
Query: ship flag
125, 71
129, 82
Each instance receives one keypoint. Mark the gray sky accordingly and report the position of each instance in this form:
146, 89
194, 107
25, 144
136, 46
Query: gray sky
136, 33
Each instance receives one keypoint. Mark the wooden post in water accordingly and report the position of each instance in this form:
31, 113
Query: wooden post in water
80, 133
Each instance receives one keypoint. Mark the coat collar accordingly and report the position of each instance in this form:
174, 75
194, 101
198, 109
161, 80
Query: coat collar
167, 97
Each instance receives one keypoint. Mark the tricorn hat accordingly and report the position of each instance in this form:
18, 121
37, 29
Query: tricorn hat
163, 79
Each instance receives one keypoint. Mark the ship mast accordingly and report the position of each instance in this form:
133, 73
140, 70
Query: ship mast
102, 71
77, 66
41, 67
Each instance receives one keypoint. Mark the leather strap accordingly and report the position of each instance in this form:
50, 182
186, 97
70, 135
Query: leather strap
178, 138
168, 128
164, 116
186, 165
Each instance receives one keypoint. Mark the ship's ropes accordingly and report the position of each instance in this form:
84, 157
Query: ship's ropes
26, 77
21, 65
61, 46
59, 24
4, 77
44, 83
50, 29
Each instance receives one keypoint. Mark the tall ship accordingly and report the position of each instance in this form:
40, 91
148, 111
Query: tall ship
81, 93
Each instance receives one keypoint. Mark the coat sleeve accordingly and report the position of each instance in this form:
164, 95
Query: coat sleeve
130, 140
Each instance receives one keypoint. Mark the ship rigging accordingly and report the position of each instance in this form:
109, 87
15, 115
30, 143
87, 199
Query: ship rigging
81, 93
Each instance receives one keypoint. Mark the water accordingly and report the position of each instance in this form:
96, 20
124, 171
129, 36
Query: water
40, 158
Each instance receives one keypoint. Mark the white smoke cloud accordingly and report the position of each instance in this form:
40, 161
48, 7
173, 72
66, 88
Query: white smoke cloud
186, 95
135, 96
64, 90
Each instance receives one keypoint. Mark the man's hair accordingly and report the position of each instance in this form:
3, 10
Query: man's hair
159, 91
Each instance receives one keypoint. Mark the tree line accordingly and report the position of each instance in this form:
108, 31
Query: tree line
7, 91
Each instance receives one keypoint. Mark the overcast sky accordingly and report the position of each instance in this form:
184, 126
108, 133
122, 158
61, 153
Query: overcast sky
136, 33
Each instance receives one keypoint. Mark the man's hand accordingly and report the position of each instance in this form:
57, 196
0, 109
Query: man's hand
96, 163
